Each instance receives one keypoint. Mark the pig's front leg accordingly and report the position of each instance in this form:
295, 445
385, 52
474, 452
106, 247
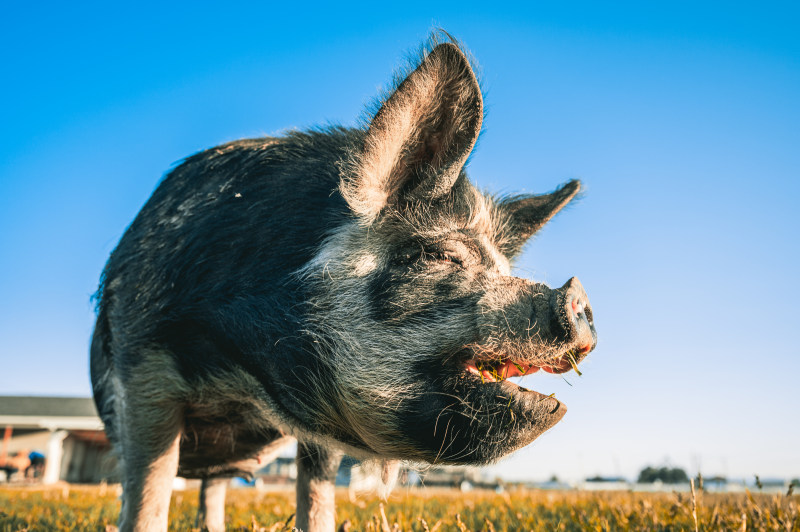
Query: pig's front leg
316, 476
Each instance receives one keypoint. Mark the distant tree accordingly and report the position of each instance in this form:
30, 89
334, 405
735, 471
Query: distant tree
667, 475
598, 478
716, 480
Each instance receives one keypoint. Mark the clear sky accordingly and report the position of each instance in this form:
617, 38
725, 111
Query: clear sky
682, 120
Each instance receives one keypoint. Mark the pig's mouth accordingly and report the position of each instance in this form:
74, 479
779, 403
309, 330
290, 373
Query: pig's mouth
500, 368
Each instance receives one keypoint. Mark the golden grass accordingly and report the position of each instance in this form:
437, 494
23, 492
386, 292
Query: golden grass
93, 508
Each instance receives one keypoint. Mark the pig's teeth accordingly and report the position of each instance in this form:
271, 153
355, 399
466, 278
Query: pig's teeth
500, 372
488, 376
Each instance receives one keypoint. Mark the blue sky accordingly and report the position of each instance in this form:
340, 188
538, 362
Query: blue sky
681, 119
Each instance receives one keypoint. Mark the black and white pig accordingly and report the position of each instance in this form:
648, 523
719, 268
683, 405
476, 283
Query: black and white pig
347, 288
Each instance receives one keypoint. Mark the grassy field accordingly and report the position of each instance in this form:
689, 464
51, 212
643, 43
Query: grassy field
93, 508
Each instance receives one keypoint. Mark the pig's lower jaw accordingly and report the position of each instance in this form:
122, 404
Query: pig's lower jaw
464, 419
502, 416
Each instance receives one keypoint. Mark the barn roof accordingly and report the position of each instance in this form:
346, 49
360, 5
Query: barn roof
49, 412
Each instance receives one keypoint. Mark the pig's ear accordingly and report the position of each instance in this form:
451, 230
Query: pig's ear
527, 214
420, 138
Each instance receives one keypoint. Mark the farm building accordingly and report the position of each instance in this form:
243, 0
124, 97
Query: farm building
66, 431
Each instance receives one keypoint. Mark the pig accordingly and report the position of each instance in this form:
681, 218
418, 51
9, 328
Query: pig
347, 288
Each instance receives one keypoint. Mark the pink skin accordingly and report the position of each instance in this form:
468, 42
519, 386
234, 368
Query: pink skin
509, 369
512, 369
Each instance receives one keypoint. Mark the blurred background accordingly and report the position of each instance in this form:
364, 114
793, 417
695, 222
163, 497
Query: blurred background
681, 119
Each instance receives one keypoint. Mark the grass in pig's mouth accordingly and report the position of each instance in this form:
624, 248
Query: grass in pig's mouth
503, 368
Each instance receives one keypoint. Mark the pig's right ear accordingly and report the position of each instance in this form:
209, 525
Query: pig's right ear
420, 138
527, 214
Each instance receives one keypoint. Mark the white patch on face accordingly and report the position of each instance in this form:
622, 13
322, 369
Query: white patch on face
500, 261
365, 264
331, 254
483, 222
342, 256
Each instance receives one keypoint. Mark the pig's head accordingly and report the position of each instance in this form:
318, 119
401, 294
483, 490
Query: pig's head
416, 317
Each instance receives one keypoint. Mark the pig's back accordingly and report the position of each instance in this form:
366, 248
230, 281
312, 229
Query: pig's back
228, 226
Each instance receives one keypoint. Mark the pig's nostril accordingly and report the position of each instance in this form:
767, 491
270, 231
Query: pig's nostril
577, 307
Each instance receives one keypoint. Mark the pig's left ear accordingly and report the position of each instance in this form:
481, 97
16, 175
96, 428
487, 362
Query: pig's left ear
527, 214
420, 138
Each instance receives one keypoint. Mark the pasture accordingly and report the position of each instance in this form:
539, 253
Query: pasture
93, 508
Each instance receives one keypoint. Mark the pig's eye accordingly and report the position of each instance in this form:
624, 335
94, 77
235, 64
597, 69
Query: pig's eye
447, 258
430, 256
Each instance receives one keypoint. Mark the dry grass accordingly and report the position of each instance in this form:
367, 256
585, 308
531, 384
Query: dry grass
93, 508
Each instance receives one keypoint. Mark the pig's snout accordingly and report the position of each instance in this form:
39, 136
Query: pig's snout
571, 306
